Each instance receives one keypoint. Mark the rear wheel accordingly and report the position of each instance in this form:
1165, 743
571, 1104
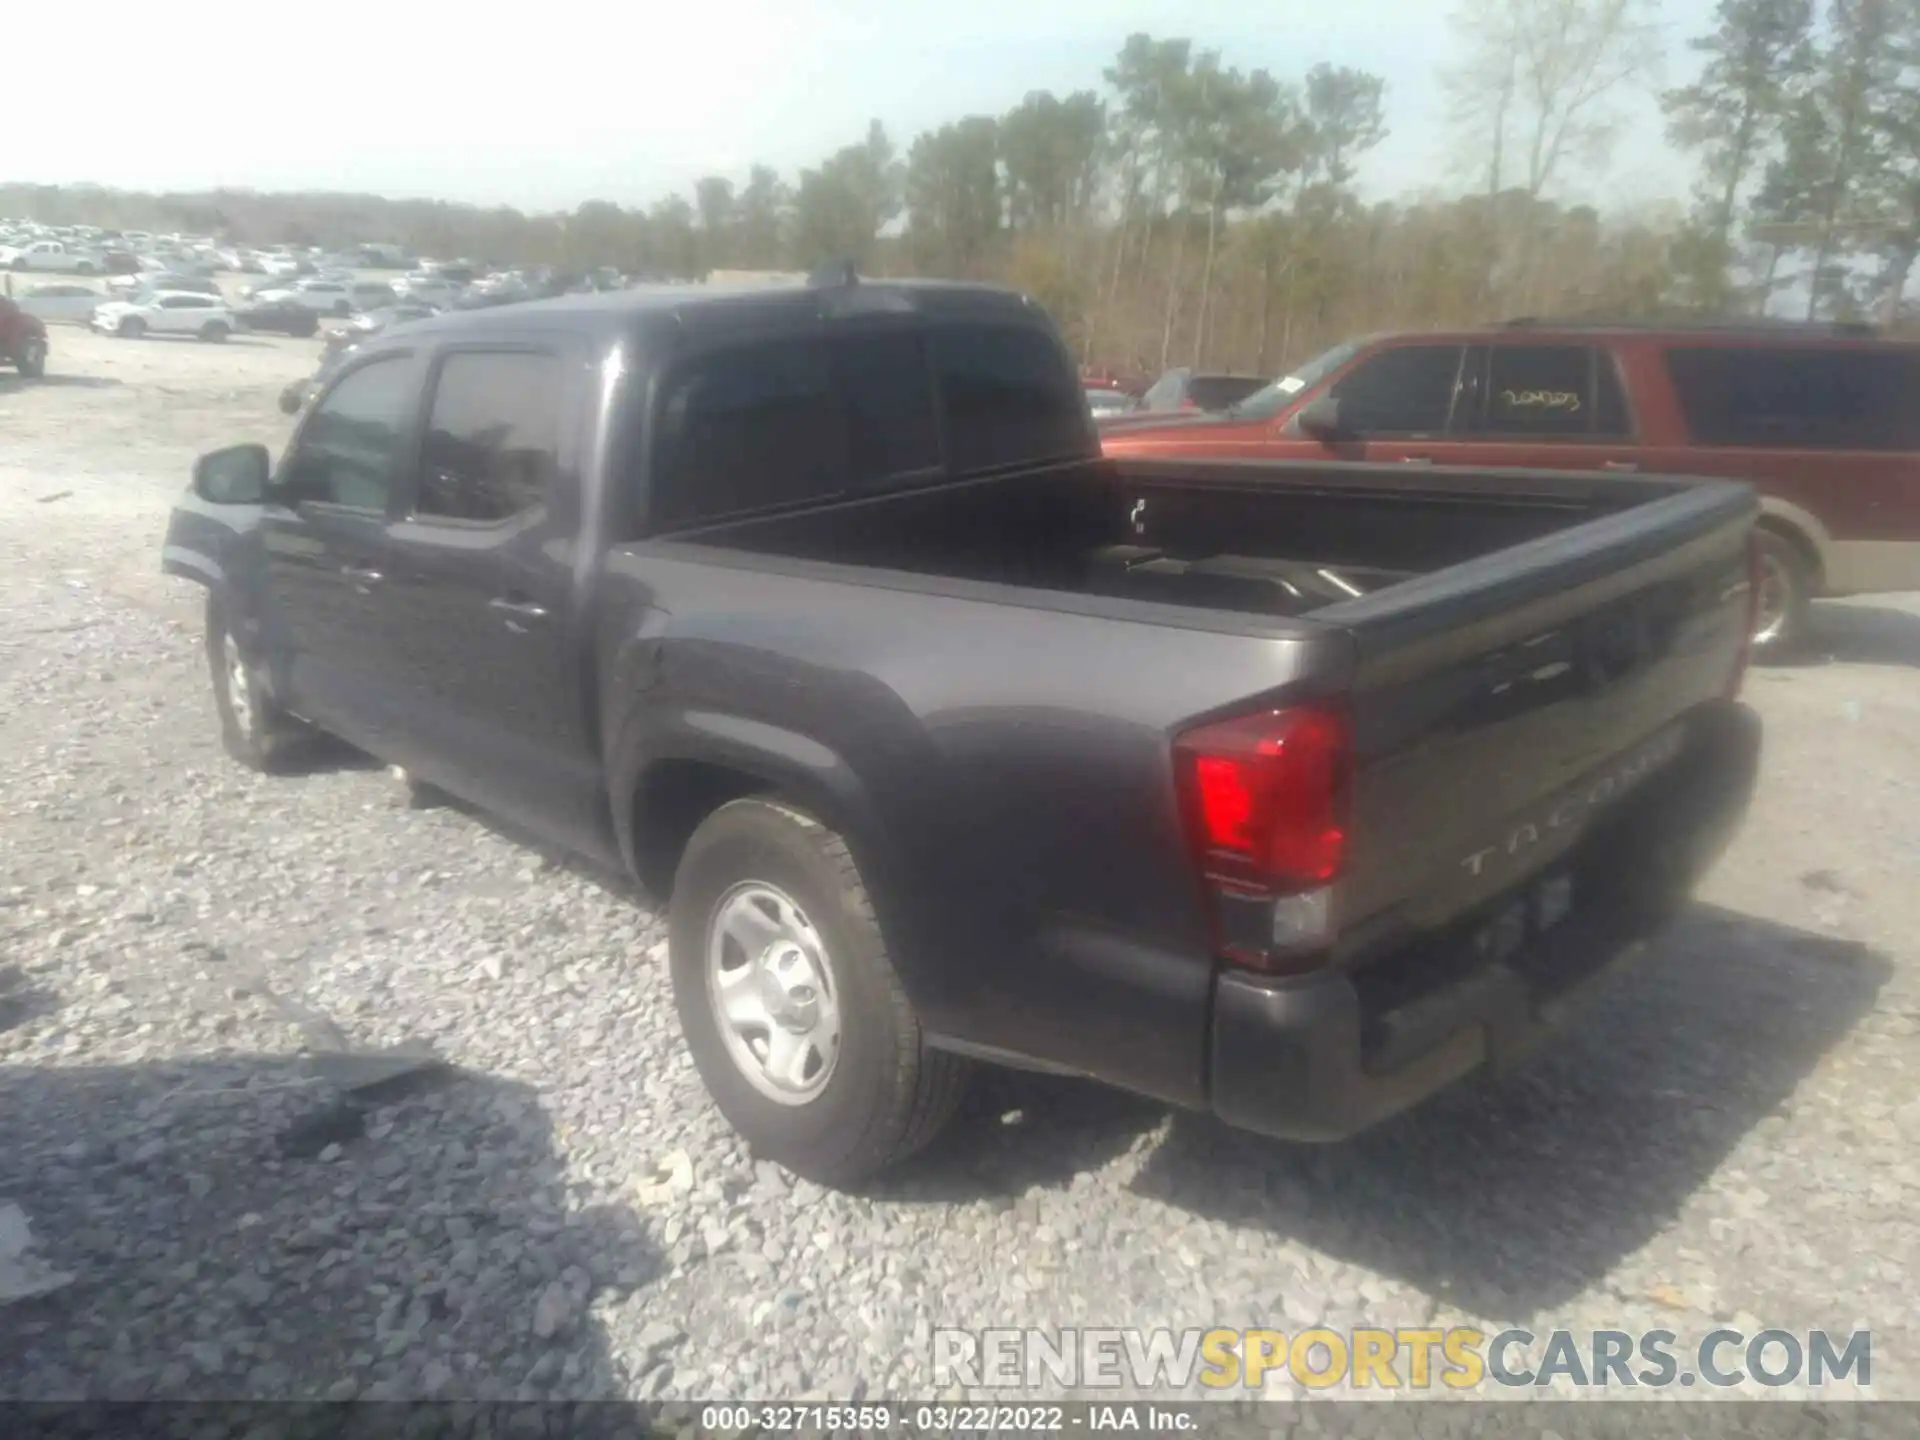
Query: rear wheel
1786, 592
32, 359
789, 1003
253, 727
215, 331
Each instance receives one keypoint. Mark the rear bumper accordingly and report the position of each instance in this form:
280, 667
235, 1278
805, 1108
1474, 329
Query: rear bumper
1322, 1057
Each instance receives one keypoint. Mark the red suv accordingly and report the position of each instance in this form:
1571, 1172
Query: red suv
23, 339
1823, 420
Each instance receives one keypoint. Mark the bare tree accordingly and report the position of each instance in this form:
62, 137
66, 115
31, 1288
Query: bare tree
1541, 78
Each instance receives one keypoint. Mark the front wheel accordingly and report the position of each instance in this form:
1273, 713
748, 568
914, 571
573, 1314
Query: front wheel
253, 727
32, 361
215, 331
1786, 592
789, 1003
132, 328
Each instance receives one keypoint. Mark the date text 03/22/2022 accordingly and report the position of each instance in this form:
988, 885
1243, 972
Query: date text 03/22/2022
950, 1419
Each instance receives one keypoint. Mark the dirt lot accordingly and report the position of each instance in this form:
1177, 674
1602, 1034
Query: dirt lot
1730, 1136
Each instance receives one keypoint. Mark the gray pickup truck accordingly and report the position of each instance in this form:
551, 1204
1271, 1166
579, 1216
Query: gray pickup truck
1293, 793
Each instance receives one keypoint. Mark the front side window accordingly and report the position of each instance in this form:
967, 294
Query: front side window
492, 446
1164, 393
350, 446
1407, 390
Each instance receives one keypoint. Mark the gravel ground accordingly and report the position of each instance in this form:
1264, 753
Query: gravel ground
204, 972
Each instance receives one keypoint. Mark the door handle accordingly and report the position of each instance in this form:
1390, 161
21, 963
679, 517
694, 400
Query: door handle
1619, 465
1416, 459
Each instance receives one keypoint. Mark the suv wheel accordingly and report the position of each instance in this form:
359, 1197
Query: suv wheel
789, 1003
32, 359
253, 727
1786, 590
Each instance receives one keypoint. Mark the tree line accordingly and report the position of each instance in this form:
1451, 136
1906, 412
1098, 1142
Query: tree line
1187, 211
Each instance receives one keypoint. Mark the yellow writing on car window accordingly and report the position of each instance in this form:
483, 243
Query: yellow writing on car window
1568, 400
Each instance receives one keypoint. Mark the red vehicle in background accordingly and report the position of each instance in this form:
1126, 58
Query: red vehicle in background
23, 340
1823, 420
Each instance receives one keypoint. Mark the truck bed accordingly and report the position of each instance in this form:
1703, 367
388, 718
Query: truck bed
1256, 539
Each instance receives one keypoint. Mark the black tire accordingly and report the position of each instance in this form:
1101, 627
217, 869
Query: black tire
888, 1093
132, 328
215, 331
85, 267
342, 309
32, 359
1786, 593
253, 727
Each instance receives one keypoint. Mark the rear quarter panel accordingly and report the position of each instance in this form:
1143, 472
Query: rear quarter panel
1001, 772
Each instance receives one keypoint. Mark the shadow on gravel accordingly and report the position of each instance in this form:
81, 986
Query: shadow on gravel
260, 1227
1017, 1129
10, 382
1855, 635
21, 1001
1513, 1195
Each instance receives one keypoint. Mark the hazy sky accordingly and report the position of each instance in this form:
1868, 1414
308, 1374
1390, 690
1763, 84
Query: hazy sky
546, 105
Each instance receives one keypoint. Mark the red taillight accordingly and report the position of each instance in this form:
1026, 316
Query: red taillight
1266, 797
1756, 573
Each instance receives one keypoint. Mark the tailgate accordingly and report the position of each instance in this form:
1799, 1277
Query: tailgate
1500, 707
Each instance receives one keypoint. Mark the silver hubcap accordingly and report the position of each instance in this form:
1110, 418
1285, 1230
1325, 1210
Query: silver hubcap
239, 690
1776, 596
771, 986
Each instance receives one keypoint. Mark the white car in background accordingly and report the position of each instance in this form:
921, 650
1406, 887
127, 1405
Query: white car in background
52, 255
166, 312
427, 289
281, 267
325, 296
62, 301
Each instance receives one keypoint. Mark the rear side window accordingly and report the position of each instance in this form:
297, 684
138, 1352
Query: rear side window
808, 419
746, 428
1407, 390
1569, 391
1008, 396
1818, 399
493, 437
891, 428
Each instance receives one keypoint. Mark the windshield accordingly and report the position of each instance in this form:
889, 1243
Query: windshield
1274, 398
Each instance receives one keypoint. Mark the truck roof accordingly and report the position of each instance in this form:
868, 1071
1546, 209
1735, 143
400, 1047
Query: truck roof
737, 307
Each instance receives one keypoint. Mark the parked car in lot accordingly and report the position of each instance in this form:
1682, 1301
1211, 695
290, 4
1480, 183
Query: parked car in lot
1822, 420
372, 322
52, 255
296, 393
1289, 792
166, 312
1183, 389
62, 300
23, 340
285, 317
1107, 400
426, 288
148, 281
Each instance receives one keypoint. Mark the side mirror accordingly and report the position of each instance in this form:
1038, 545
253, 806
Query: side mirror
234, 476
1320, 418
